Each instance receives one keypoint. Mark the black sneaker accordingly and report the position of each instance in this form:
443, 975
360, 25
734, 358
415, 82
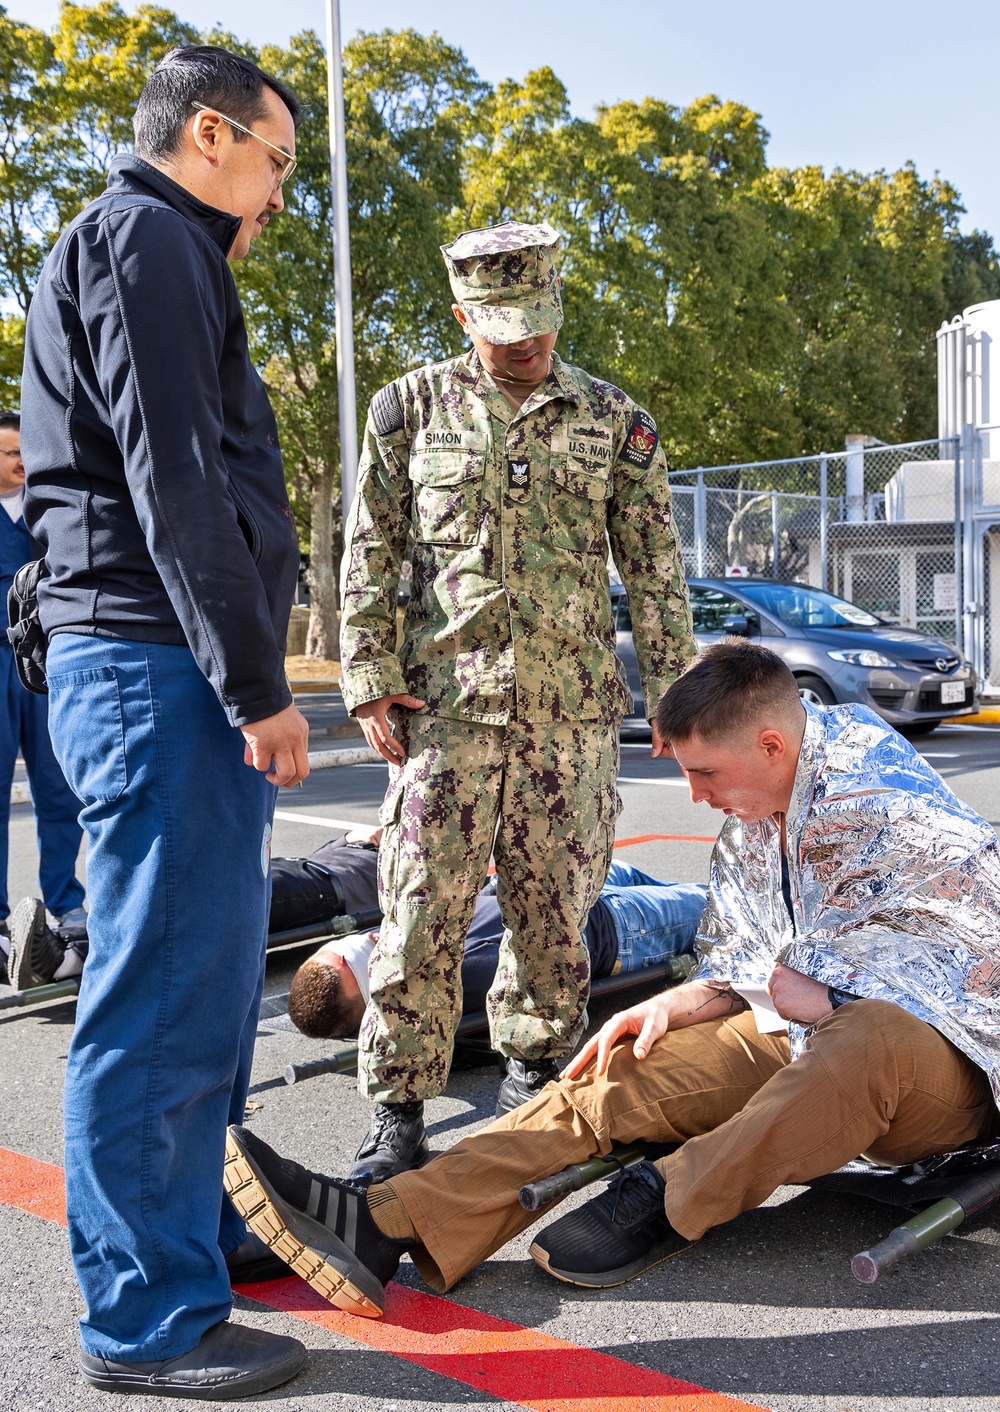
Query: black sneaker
525, 1079
396, 1142
231, 1361
614, 1237
36, 953
3, 952
320, 1226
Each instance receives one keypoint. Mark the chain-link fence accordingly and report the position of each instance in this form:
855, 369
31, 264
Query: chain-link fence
878, 525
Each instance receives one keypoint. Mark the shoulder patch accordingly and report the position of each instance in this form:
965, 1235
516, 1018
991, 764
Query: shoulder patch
641, 441
387, 410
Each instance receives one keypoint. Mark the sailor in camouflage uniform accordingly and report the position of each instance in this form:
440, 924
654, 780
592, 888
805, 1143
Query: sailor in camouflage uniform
510, 471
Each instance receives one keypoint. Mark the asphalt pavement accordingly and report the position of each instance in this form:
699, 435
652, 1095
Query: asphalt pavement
764, 1311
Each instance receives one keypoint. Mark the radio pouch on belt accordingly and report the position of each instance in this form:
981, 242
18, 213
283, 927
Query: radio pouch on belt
25, 632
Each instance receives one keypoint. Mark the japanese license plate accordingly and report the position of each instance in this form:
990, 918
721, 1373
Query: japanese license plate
953, 693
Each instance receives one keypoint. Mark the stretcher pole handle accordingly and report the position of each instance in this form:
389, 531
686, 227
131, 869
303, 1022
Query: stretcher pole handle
58, 990
340, 1063
967, 1199
534, 1195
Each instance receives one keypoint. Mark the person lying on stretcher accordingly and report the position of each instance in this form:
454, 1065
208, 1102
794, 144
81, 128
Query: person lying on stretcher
637, 922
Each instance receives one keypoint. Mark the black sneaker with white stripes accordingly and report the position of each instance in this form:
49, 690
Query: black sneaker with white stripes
614, 1237
320, 1226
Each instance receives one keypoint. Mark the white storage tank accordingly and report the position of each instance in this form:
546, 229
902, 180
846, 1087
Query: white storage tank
969, 372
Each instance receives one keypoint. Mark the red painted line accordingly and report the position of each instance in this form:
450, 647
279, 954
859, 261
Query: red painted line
494, 1356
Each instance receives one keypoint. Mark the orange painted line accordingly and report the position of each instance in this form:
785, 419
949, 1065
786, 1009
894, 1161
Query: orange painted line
32, 1186
666, 838
491, 1355
653, 838
505, 1360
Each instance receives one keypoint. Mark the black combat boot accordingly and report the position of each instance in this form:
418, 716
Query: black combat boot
396, 1142
525, 1079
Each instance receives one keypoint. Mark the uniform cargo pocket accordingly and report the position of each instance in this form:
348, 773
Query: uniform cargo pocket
578, 495
85, 720
448, 495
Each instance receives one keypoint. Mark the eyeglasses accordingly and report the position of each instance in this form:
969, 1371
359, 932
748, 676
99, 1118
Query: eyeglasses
287, 164
12, 454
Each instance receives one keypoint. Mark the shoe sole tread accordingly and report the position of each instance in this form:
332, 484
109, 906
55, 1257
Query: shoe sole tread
19, 972
261, 1214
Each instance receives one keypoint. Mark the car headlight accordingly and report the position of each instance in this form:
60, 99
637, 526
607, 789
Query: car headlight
862, 657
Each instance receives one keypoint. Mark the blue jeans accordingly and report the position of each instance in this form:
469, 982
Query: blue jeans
179, 831
654, 920
24, 727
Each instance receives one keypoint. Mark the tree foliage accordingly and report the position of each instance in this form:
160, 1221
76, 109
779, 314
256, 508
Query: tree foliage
757, 312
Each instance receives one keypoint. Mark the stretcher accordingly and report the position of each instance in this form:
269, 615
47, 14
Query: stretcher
317, 931
943, 1192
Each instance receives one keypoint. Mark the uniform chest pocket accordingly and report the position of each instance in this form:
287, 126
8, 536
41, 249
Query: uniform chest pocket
578, 494
447, 495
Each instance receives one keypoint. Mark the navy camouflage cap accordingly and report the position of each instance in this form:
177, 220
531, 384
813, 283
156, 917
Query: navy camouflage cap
505, 279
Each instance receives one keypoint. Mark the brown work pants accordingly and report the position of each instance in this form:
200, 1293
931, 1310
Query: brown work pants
873, 1080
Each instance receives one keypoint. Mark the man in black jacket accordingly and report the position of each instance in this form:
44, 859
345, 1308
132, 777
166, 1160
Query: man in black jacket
154, 484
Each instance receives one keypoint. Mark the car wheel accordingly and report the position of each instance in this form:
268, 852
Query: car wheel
815, 691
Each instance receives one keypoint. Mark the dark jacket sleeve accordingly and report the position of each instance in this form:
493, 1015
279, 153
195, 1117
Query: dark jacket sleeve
156, 313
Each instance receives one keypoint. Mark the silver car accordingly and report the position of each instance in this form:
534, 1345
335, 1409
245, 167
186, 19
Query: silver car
836, 650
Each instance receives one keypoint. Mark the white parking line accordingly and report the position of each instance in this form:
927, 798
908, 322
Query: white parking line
629, 779
291, 818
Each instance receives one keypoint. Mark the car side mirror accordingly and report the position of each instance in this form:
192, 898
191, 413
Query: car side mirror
736, 626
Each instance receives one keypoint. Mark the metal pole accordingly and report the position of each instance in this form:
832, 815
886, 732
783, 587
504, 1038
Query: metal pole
700, 526
775, 537
824, 522
344, 314
959, 575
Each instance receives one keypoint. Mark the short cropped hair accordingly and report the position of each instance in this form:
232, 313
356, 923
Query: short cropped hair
317, 1004
731, 687
200, 73
10, 421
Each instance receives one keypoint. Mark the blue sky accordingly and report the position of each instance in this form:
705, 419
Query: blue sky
858, 85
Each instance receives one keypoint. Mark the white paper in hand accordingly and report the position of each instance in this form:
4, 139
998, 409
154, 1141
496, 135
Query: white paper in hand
767, 1018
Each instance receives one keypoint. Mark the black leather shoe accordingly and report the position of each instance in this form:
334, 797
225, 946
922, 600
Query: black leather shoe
614, 1237
396, 1142
252, 1263
230, 1361
525, 1079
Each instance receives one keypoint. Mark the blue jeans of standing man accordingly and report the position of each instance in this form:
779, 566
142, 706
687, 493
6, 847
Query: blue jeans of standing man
179, 835
654, 920
24, 728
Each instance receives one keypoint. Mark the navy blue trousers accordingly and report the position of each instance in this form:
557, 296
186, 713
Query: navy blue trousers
24, 728
179, 832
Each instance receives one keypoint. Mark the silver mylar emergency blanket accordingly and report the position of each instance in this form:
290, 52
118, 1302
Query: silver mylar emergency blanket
895, 887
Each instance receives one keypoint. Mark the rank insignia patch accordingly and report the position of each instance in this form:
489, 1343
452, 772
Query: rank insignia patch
641, 441
518, 475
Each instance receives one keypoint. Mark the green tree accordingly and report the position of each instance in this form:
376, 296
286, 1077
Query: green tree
408, 100
65, 107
